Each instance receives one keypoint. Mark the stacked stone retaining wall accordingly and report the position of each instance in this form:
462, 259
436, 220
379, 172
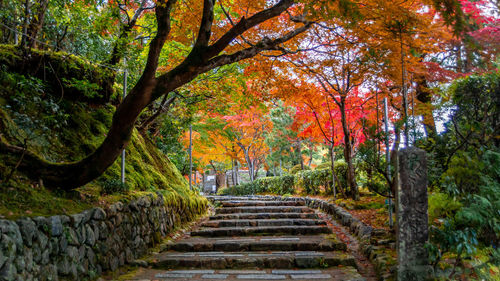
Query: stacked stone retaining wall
83, 245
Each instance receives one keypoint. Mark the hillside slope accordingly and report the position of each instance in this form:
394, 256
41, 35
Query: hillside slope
65, 121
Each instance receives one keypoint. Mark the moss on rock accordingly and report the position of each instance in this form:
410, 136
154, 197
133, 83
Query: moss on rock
61, 130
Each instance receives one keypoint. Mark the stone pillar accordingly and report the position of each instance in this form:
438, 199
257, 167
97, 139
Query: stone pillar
412, 230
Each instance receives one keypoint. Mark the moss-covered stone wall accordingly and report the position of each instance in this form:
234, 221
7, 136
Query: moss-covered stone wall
59, 129
83, 245
69, 76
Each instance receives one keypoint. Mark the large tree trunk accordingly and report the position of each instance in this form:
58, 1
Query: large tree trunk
202, 58
348, 152
70, 175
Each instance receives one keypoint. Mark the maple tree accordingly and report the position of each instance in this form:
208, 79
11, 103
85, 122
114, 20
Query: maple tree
247, 129
212, 48
393, 44
325, 123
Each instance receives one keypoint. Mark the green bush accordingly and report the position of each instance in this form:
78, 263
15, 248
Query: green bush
237, 190
341, 172
376, 182
111, 186
276, 185
324, 165
442, 206
297, 168
311, 181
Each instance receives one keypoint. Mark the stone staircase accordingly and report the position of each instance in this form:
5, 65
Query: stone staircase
257, 238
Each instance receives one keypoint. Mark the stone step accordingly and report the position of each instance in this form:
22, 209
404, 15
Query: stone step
264, 209
229, 198
240, 203
259, 243
253, 216
260, 230
262, 222
250, 260
346, 273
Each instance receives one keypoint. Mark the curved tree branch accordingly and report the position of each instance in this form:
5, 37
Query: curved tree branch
149, 88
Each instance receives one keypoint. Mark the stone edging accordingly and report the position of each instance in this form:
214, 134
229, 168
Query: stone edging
365, 233
83, 245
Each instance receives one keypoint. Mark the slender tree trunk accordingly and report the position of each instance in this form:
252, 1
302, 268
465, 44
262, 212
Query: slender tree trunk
232, 173
24, 38
299, 151
310, 154
424, 95
348, 152
36, 23
249, 164
236, 166
281, 168
256, 168
334, 177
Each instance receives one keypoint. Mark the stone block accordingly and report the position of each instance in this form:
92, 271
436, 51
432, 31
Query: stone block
56, 227
174, 275
214, 276
261, 276
311, 276
296, 271
8, 272
193, 271
28, 230
242, 271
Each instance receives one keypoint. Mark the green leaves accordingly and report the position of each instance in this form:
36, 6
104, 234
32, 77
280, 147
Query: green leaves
275, 185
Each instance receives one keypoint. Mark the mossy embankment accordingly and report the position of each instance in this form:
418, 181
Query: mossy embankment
36, 114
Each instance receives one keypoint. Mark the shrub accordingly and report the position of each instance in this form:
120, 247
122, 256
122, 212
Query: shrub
324, 165
311, 181
276, 185
341, 172
442, 206
297, 168
237, 190
114, 186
